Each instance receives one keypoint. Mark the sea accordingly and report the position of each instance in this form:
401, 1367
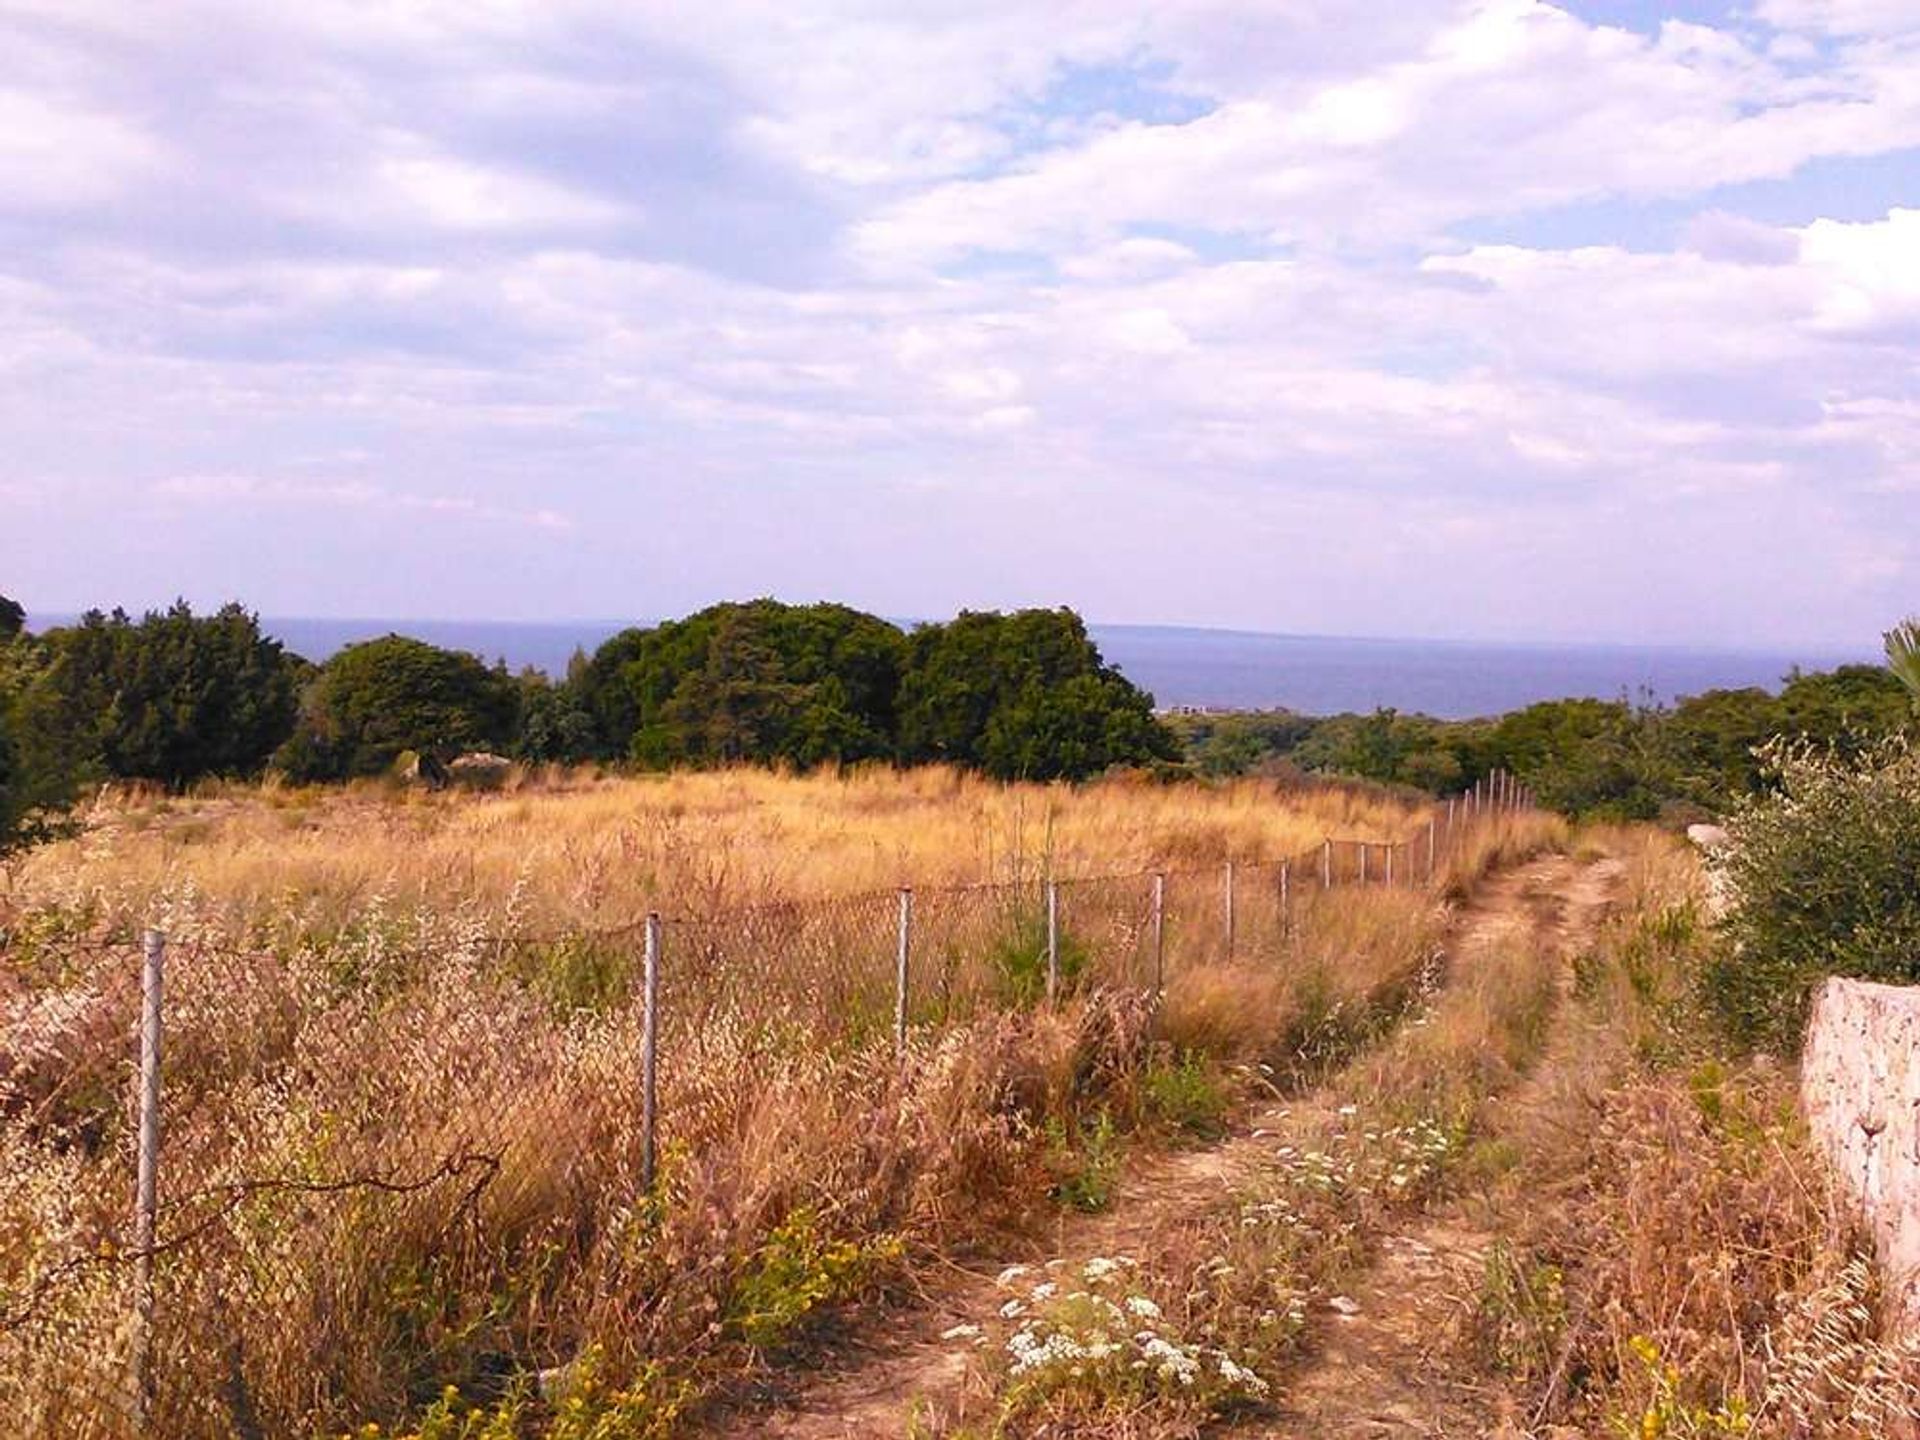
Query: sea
1236, 669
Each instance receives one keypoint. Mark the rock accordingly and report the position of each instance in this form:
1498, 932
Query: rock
1707, 837
479, 770
1343, 1306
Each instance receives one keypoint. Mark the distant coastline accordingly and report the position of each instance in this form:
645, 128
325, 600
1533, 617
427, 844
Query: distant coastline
1208, 669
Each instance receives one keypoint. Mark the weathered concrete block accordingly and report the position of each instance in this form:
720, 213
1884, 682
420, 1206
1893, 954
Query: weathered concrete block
1860, 1089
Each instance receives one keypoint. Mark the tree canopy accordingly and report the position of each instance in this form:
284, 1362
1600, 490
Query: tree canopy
373, 700
1025, 696
171, 697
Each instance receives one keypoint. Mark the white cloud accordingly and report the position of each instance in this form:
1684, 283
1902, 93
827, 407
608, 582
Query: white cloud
1871, 273
347, 495
1517, 105
1178, 277
464, 196
56, 155
1843, 17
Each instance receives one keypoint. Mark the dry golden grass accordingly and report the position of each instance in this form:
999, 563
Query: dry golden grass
400, 1156
1679, 1260
579, 851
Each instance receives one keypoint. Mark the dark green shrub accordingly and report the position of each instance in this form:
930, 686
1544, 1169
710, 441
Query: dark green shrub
1823, 878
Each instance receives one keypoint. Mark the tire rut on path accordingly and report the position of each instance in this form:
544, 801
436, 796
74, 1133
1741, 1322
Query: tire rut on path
902, 1367
1391, 1368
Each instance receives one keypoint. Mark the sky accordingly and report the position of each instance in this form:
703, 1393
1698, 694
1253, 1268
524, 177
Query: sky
1479, 319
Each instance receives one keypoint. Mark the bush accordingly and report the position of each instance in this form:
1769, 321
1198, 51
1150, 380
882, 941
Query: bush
1821, 878
381, 697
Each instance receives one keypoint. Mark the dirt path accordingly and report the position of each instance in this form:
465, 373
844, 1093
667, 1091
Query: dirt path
1388, 1368
1372, 1376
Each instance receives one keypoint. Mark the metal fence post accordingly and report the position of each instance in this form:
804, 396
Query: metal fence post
1053, 941
1431, 827
147, 1176
900, 974
1389, 848
1286, 898
1363, 847
1159, 935
1229, 911
649, 1052
1326, 864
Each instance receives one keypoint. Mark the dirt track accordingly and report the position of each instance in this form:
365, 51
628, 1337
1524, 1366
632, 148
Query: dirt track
1382, 1370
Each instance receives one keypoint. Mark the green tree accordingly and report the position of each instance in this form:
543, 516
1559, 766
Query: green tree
35, 785
171, 697
1024, 695
373, 700
760, 681
13, 618
1850, 709
1710, 743
1583, 756
555, 727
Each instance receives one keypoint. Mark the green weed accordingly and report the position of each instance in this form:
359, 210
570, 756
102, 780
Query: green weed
1087, 1163
796, 1272
1187, 1095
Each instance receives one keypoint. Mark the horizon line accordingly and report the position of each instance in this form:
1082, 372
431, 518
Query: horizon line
1774, 650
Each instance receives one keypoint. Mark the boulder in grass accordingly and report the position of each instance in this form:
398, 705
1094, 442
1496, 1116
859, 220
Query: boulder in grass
479, 770
1707, 837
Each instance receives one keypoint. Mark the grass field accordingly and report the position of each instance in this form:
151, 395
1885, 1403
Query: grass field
400, 1186
401, 1154
583, 852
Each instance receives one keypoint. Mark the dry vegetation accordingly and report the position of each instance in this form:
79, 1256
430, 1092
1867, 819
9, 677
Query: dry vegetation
401, 1189
1680, 1263
580, 852
400, 1182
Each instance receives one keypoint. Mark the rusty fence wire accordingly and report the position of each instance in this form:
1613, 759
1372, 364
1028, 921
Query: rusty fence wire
198, 1134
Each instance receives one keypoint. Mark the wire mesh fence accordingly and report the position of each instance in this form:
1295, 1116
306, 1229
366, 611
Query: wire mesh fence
201, 1140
